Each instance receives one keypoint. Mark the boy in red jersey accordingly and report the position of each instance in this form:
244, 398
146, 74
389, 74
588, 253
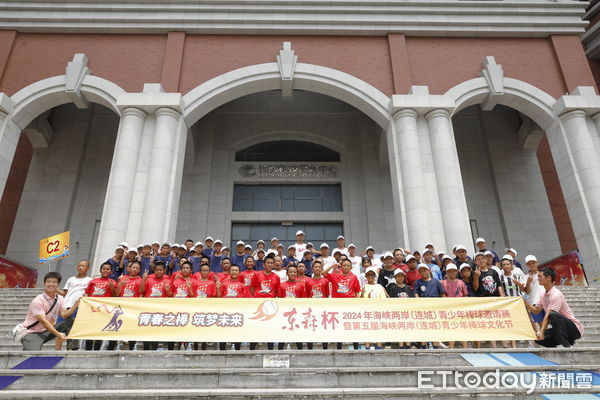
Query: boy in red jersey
129, 285
157, 284
291, 288
226, 265
206, 286
265, 284
301, 273
185, 286
101, 287
232, 288
344, 284
246, 276
317, 287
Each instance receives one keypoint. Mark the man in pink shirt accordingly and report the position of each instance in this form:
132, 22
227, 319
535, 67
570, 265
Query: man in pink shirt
565, 327
43, 313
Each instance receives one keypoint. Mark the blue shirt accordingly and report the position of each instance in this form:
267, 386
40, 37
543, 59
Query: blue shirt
288, 260
166, 260
195, 264
208, 252
430, 288
260, 265
116, 271
436, 272
146, 267
239, 260
215, 263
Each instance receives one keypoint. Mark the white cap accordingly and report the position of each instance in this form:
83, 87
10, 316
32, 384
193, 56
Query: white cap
387, 254
323, 245
147, 245
155, 242
426, 250
119, 248
409, 257
460, 247
260, 241
132, 250
336, 251
123, 244
176, 245
291, 247
140, 246
488, 253
299, 233
370, 248
248, 247
225, 248
208, 238
479, 253
199, 244
511, 250
451, 267
446, 257
279, 245
340, 237
271, 251
479, 240
371, 269
351, 245
166, 244
464, 265
398, 271
530, 258
274, 239
218, 241
259, 250
240, 243
428, 244
507, 257
424, 266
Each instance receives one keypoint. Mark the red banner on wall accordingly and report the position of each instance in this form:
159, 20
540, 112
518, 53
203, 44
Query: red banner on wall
569, 271
14, 275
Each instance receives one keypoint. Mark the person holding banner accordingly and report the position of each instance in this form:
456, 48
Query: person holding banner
43, 312
566, 329
231, 287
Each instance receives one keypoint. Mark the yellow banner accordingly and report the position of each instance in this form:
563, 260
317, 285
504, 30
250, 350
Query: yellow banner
54, 247
302, 320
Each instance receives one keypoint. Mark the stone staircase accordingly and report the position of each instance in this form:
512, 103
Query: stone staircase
370, 374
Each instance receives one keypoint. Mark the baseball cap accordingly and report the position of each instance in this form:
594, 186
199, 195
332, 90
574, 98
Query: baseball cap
488, 253
218, 241
507, 257
260, 241
208, 238
351, 245
340, 237
324, 245
451, 267
199, 244
398, 271
409, 257
530, 258
426, 250
132, 250
291, 247
428, 244
176, 245
123, 244
271, 251
371, 269
370, 248
446, 257
155, 242
424, 266
336, 251
248, 247
140, 246
119, 248
479, 253
225, 248
387, 254
274, 239
460, 247
240, 243
464, 265
299, 233
479, 240
511, 250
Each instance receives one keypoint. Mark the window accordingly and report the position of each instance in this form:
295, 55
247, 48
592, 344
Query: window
287, 150
315, 233
287, 198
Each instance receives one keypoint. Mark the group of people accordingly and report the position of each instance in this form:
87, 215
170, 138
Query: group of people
209, 269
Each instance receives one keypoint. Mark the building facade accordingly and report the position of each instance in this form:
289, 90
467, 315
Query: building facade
394, 123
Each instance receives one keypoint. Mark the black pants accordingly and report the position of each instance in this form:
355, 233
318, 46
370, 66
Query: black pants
223, 345
563, 331
96, 344
355, 345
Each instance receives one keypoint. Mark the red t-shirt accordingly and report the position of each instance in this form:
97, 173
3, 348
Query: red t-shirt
403, 267
265, 285
289, 289
236, 288
206, 288
302, 279
317, 288
223, 276
99, 287
343, 285
132, 286
411, 276
198, 276
180, 288
155, 287
246, 276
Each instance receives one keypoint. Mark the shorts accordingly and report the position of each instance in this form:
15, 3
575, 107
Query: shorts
538, 317
35, 341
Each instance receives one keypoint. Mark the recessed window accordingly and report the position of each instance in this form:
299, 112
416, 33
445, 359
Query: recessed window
287, 150
287, 198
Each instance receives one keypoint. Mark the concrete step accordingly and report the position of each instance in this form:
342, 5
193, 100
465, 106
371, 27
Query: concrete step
358, 393
263, 378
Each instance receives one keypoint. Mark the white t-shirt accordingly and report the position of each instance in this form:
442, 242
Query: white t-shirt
300, 247
376, 262
282, 274
535, 291
344, 250
356, 261
75, 289
328, 261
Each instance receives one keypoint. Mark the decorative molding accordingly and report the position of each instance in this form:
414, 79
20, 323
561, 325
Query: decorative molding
76, 71
288, 171
494, 76
524, 18
6, 106
286, 60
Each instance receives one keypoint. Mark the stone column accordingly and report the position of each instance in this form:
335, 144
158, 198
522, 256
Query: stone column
159, 187
453, 205
9, 138
119, 192
578, 167
404, 148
